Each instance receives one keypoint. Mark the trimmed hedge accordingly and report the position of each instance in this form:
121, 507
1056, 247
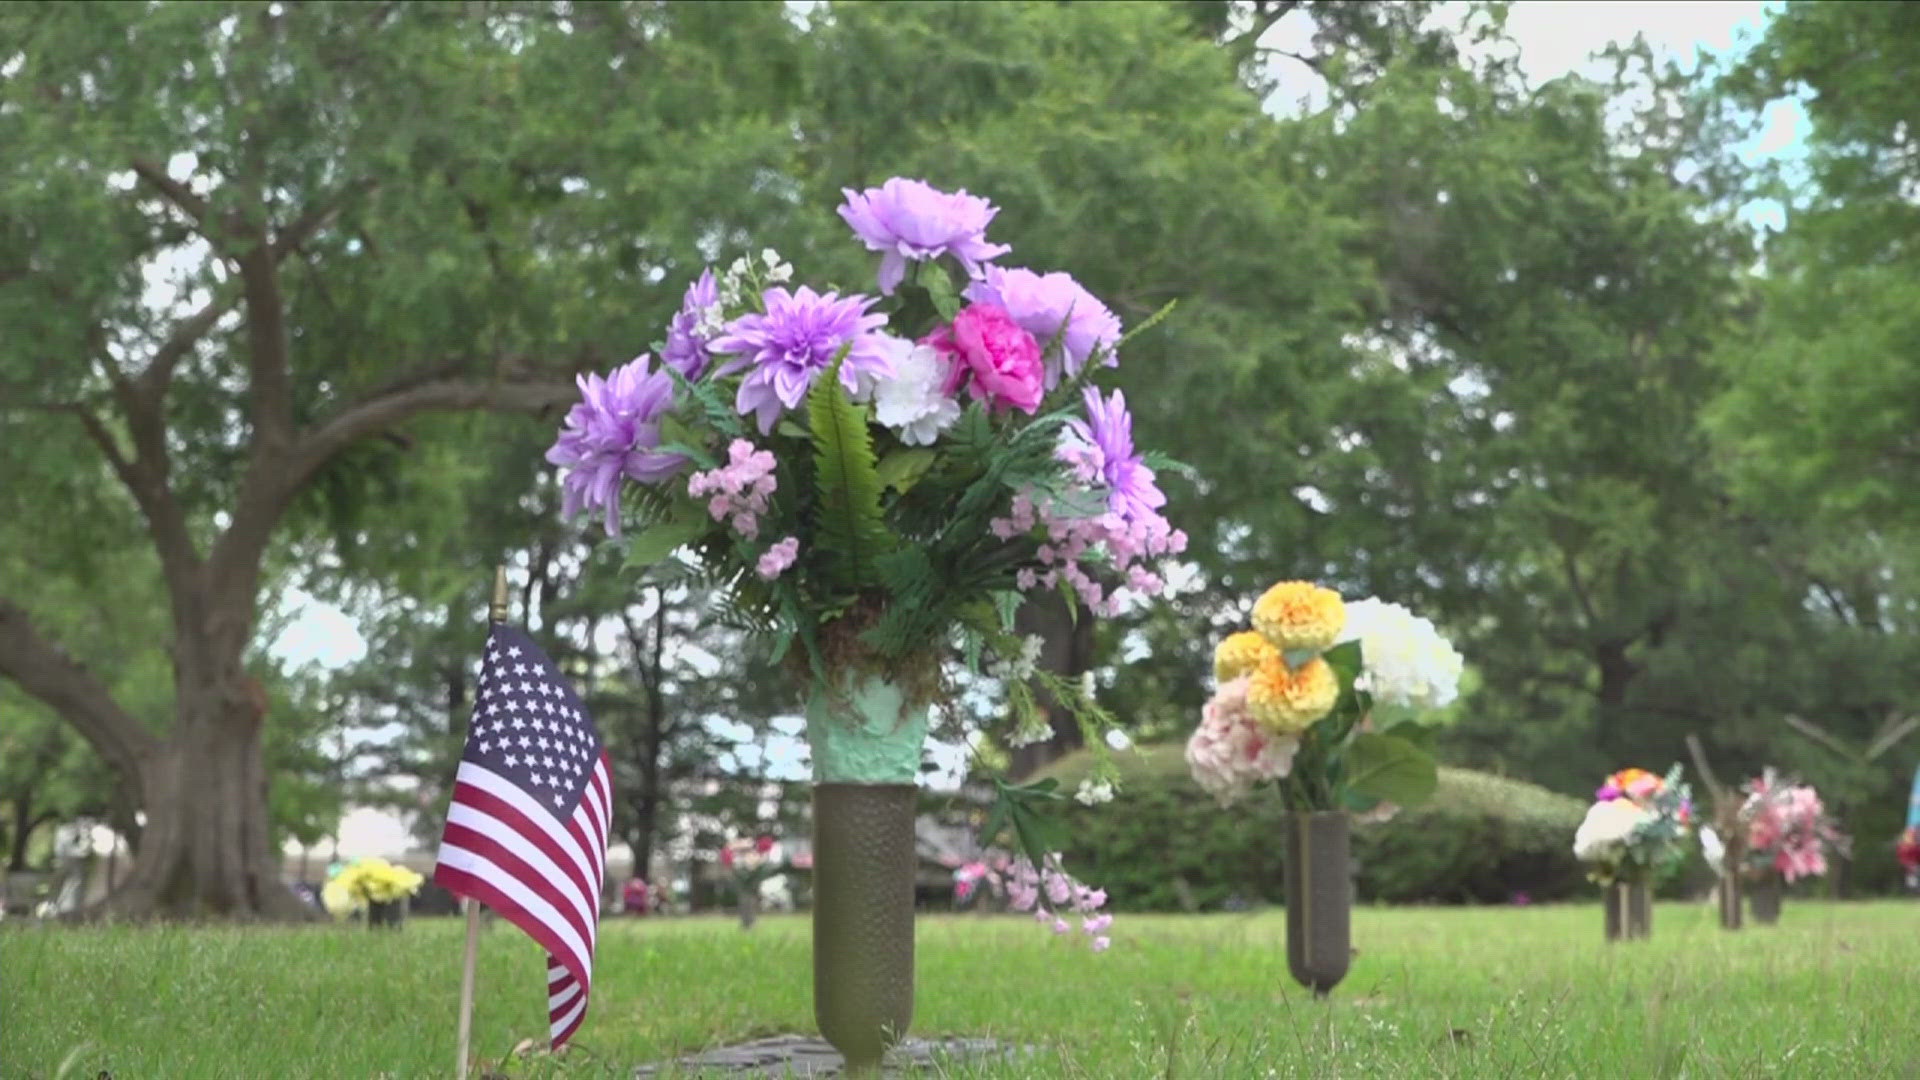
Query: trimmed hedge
1164, 845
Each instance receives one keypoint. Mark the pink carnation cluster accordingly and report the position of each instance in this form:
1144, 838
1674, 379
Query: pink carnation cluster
777, 558
739, 489
1123, 543
1230, 752
1787, 829
1051, 893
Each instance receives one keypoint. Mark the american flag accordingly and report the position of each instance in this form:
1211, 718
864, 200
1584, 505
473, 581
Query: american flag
527, 832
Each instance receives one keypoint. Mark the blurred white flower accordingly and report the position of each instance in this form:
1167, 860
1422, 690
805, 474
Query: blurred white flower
1713, 848
1406, 661
1119, 740
1604, 833
1093, 792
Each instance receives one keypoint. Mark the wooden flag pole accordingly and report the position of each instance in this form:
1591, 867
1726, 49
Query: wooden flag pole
495, 614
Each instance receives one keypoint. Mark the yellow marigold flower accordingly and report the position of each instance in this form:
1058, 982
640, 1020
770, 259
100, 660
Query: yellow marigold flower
1241, 654
1286, 700
1300, 615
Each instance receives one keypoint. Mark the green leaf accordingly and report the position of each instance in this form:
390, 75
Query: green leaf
852, 532
902, 468
1391, 769
940, 292
661, 540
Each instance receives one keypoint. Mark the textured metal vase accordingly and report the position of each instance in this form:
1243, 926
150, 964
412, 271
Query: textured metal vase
1765, 897
1319, 899
1629, 908
386, 915
863, 870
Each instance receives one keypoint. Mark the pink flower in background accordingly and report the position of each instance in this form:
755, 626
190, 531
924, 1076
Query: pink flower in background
992, 357
913, 221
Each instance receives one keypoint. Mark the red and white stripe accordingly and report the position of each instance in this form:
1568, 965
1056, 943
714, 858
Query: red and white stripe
543, 875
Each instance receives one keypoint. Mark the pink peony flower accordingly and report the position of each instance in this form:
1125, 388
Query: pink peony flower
1230, 752
993, 357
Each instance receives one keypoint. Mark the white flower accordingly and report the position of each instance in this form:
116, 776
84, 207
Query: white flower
1407, 661
1093, 792
1086, 684
913, 401
1606, 829
779, 271
1119, 740
1712, 847
1019, 668
1034, 729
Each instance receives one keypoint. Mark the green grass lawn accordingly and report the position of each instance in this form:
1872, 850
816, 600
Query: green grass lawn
1833, 991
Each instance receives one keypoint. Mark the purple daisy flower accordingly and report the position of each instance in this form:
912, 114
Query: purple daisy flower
1040, 303
910, 220
1108, 431
797, 339
611, 435
693, 328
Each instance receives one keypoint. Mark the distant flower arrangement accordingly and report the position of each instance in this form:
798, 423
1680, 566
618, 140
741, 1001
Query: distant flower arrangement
1907, 850
1323, 698
1788, 830
1637, 825
367, 881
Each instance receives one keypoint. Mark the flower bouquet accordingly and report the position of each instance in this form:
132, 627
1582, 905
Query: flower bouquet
1788, 837
877, 483
749, 864
1326, 700
374, 886
1636, 827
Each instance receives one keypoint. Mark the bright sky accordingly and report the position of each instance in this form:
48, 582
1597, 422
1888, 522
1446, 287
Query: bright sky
1554, 38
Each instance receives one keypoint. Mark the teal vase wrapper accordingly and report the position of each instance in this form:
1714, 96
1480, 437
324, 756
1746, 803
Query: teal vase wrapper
866, 733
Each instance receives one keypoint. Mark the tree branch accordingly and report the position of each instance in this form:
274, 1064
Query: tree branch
159, 372
410, 398
46, 672
177, 193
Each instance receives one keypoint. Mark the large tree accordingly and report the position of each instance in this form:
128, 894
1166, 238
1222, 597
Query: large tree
241, 246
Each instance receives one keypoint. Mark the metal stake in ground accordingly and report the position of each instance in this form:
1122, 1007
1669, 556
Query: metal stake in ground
497, 613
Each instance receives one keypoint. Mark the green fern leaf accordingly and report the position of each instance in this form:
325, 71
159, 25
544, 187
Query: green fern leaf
852, 532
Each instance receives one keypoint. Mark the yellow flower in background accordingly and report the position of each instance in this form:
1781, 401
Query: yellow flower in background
1299, 615
1286, 700
1241, 654
368, 881
337, 900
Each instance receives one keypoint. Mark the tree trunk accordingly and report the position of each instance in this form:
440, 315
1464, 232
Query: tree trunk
1067, 650
24, 823
207, 848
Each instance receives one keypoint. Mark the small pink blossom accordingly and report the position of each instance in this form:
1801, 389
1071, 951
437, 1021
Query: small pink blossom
1102, 944
777, 558
739, 491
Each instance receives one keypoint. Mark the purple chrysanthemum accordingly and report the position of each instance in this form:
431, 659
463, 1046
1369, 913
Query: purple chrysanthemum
694, 326
910, 220
611, 435
1107, 435
1040, 303
797, 339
